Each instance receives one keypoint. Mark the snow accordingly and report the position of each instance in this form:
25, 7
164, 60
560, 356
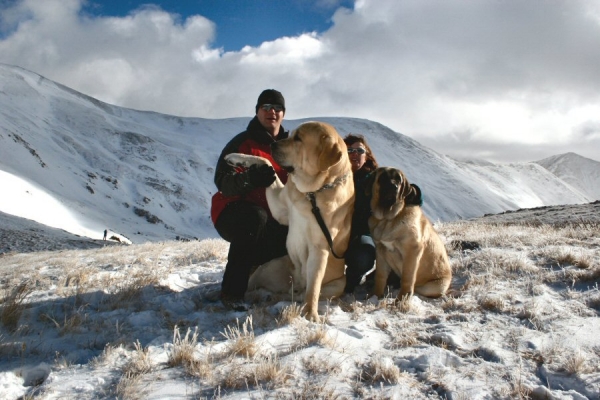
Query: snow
581, 172
106, 323
105, 320
29, 201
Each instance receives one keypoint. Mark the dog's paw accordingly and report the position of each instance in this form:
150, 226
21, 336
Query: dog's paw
245, 160
237, 159
313, 317
311, 314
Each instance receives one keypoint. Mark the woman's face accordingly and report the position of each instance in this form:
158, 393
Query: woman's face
358, 155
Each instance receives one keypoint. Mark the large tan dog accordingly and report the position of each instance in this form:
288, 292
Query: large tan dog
405, 239
316, 159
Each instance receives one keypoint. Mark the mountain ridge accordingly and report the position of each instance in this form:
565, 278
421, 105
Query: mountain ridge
581, 172
149, 176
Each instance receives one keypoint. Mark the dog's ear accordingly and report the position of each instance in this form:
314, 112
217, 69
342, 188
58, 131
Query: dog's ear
415, 197
331, 153
406, 188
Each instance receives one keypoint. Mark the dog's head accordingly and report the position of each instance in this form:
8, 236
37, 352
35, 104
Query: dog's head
389, 188
312, 150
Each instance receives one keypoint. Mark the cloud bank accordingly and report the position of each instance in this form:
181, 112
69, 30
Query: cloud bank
504, 81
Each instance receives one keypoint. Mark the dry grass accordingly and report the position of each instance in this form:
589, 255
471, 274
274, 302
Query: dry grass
403, 305
320, 365
592, 300
310, 334
13, 305
563, 256
236, 376
270, 371
129, 388
262, 317
405, 339
199, 252
140, 362
492, 302
289, 314
518, 387
183, 353
128, 290
183, 349
379, 369
241, 340
359, 308
103, 358
576, 363
71, 321
77, 280
264, 372
314, 389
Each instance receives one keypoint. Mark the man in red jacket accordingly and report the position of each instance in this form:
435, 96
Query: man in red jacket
240, 211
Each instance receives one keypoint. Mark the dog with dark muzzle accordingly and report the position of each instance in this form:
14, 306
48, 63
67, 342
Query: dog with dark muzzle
405, 239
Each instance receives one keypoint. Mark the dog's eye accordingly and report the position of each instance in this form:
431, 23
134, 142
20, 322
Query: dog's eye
396, 182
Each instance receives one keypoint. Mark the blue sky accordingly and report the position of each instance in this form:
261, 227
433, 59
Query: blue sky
501, 81
239, 22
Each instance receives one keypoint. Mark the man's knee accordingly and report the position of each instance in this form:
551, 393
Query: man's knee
242, 221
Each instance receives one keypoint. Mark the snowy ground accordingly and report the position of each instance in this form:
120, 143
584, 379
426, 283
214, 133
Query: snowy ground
521, 321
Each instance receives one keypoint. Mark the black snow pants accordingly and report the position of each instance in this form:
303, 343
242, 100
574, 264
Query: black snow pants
254, 238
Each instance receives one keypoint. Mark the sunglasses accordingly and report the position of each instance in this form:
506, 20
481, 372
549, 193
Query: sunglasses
359, 150
276, 107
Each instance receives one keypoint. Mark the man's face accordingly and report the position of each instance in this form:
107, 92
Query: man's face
270, 118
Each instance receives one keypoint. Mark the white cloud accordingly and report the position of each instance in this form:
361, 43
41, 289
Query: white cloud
508, 72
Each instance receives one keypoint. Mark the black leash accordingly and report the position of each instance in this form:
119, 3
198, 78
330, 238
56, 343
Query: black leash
317, 213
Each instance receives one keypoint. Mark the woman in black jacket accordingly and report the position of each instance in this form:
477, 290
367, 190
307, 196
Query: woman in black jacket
360, 256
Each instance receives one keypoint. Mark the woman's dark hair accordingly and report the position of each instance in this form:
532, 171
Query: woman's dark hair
370, 164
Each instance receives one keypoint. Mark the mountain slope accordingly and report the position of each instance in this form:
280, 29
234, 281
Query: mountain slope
580, 172
149, 176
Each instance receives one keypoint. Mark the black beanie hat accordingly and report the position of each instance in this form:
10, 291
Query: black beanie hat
270, 96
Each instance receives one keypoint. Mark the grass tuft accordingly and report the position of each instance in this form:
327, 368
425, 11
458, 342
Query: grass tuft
13, 305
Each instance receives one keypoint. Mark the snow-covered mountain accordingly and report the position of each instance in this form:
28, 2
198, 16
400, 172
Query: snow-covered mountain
580, 172
70, 161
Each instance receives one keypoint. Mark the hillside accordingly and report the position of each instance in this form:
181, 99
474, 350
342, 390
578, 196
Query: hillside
149, 177
580, 172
